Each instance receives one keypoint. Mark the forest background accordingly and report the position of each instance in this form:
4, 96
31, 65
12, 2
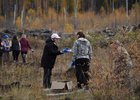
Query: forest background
68, 15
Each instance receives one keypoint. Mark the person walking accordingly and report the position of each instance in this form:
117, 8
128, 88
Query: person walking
82, 54
15, 48
48, 58
25, 46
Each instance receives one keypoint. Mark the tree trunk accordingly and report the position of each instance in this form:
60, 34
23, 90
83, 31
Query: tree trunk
1, 7
127, 8
22, 18
113, 6
15, 13
57, 8
75, 13
6, 13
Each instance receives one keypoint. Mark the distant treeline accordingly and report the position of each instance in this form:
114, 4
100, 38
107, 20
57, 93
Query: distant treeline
21, 12
7, 6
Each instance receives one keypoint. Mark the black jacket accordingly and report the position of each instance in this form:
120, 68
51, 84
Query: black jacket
1, 48
15, 45
49, 54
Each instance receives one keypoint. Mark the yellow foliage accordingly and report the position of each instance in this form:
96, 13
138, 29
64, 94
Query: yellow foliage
18, 22
31, 12
102, 11
51, 13
1, 18
64, 3
27, 18
85, 21
68, 28
37, 23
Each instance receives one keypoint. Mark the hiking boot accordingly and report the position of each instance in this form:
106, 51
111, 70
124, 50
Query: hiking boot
79, 86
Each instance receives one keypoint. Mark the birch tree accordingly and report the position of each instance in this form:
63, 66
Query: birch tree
127, 8
22, 18
15, 11
75, 13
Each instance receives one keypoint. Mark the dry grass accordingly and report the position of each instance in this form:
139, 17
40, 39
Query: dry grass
102, 86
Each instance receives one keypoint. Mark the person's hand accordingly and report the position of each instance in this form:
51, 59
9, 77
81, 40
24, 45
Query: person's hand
32, 50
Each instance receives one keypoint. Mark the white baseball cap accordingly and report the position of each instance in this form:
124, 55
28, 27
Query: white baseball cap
55, 35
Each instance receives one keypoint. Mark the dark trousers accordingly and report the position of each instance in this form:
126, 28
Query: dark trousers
82, 71
24, 56
47, 77
15, 54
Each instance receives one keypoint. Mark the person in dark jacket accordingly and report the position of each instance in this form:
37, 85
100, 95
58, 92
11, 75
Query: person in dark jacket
15, 48
24, 47
48, 58
1, 51
1, 47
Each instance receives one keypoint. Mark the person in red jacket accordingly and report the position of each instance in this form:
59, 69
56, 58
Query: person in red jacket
24, 47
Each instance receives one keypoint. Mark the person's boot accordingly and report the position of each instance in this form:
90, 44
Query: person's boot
79, 86
24, 58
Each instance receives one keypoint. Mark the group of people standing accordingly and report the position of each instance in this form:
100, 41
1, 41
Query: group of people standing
82, 56
14, 45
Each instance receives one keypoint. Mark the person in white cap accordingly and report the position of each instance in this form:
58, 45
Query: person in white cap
55, 36
48, 58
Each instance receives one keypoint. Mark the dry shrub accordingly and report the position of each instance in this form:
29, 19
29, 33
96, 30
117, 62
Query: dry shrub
68, 28
37, 24
133, 49
51, 13
102, 85
1, 18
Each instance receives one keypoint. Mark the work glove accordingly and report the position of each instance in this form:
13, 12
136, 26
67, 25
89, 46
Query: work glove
66, 50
